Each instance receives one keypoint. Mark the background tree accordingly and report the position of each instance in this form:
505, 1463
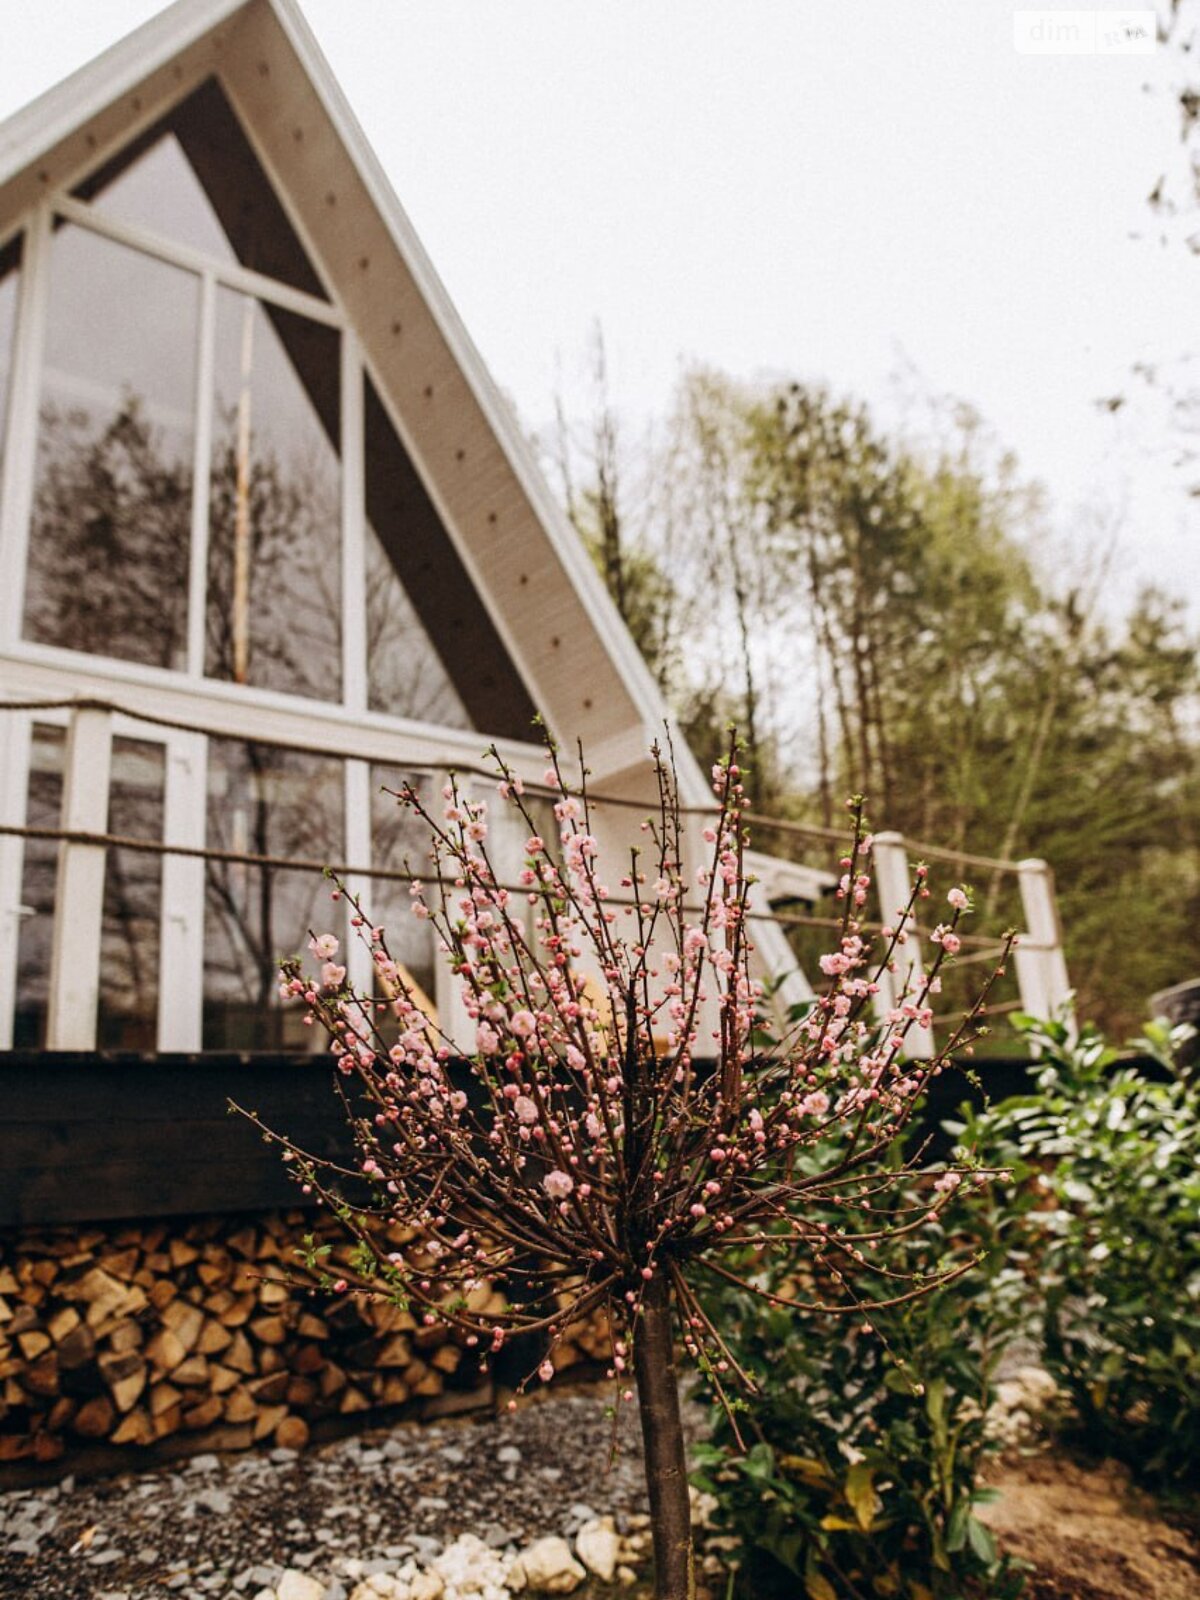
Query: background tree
891, 612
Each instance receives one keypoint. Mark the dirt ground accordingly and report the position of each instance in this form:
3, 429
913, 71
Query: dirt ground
1088, 1535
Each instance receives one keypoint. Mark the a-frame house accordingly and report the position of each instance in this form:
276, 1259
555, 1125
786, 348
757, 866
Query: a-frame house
269, 539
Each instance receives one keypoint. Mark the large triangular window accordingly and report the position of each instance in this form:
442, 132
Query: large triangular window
191, 506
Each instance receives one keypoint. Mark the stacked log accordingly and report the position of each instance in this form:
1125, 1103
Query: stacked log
204, 1334
586, 1341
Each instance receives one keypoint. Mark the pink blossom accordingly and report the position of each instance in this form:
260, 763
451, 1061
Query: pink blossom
558, 1185
526, 1109
951, 943
523, 1023
958, 899
834, 964
487, 1040
324, 946
333, 976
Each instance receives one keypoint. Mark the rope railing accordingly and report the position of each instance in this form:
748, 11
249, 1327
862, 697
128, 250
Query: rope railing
1039, 968
986, 947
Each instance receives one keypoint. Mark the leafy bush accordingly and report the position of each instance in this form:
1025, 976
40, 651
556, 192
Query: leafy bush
1113, 1157
863, 1477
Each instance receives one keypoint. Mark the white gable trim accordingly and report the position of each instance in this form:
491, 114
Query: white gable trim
58, 113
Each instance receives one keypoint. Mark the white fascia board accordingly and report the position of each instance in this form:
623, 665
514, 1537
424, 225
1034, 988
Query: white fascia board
595, 599
38, 127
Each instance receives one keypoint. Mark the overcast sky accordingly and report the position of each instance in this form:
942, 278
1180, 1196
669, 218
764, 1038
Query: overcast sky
789, 186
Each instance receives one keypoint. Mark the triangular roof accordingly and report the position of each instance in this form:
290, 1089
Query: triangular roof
549, 606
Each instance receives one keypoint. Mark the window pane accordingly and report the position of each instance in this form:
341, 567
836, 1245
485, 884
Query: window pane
274, 560
398, 838
405, 676
10, 278
158, 189
282, 803
433, 649
38, 880
108, 556
129, 942
194, 177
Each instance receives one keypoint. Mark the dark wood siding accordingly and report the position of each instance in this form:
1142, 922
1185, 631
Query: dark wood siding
86, 1137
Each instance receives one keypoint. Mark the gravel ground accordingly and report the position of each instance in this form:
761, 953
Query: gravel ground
228, 1526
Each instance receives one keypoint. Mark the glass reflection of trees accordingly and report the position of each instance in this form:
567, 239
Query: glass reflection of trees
129, 940
263, 800
405, 676
108, 550
39, 877
400, 841
273, 615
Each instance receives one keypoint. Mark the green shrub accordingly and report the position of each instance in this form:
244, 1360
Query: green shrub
1112, 1157
862, 1476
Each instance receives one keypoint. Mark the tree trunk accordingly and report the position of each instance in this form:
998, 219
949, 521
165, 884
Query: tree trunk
662, 1436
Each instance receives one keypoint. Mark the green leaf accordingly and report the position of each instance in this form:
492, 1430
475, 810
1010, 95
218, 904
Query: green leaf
860, 1492
981, 1541
956, 1528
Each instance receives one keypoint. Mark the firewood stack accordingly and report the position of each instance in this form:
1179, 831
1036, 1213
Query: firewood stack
184, 1331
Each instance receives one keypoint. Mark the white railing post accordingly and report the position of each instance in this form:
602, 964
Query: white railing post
181, 921
79, 893
449, 989
1041, 965
359, 960
893, 882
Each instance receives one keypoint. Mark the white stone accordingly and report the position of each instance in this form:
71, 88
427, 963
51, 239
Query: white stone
1038, 1384
380, 1586
598, 1547
299, 1586
426, 1586
548, 1567
470, 1570
703, 1505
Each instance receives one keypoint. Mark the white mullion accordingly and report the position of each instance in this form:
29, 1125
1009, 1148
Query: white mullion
201, 477
16, 730
181, 915
357, 790
20, 444
354, 581
178, 255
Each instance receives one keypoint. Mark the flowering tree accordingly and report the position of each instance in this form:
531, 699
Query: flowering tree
624, 1128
